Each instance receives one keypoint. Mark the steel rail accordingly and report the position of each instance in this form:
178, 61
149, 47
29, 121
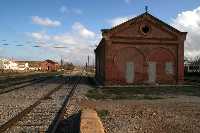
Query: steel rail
59, 117
6, 90
19, 116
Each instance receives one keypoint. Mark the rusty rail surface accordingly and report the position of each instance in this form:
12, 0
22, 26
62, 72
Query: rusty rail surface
59, 117
19, 116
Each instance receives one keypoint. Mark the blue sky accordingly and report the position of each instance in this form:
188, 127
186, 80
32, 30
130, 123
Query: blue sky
74, 24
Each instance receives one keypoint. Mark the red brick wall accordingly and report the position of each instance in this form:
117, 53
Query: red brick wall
45, 66
126, 43
161, 56
127, 54
141, 55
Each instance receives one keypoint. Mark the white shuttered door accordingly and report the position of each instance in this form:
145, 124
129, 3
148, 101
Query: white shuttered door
129, 72
152, 72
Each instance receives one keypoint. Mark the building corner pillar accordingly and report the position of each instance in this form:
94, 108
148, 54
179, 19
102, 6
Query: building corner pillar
181, 63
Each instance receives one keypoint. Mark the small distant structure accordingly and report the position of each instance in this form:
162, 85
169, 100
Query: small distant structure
49, 65
35, 65
22, 65
29, 65
6, 64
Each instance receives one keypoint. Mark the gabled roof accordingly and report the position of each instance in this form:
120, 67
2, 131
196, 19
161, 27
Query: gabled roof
146, 14
140, 16
101, 43
50, 61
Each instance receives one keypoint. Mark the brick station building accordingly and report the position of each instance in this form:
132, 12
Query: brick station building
143, 50
49, 65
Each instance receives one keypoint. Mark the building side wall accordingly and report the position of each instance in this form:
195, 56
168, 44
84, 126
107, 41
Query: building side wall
180, 54
100, 63
141, 54
45, 66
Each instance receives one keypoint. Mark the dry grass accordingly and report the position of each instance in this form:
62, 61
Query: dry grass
149, 93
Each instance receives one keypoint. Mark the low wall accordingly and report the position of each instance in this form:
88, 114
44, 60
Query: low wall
90, 122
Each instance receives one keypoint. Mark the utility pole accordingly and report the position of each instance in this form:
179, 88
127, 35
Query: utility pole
88, 60
86, 65
61, 62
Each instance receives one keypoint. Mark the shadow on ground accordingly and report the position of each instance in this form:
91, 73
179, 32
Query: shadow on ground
70, 124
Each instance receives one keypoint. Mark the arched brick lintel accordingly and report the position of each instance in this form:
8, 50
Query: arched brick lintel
154, 54
128, 48
161, 56
129, 54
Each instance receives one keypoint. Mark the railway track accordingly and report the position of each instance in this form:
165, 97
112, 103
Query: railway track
5, 84
15, 119
13, 102
11, 122
22, 84
45, 114
60, 115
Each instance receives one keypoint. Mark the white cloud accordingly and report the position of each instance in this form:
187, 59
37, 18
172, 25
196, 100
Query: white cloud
45, 21
82, 31
39, 35
65, 38
189, 21
67, 10
118, 20
79, 43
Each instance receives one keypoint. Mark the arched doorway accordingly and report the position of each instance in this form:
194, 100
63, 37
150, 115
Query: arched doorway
129, 65
161, 66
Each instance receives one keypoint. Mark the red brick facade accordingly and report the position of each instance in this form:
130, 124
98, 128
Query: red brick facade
49, 65
140, 51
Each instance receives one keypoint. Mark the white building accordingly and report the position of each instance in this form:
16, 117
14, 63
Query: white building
23, 66
6, 64
1, 64
9, 65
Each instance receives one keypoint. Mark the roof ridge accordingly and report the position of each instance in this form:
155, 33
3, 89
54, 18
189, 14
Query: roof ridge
141, 15
51, 61
116, 26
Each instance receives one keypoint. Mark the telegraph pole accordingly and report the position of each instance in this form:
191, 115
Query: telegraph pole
88, 60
